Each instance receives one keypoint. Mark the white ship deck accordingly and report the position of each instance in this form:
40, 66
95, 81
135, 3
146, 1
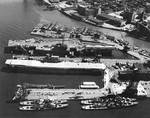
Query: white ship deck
61, 65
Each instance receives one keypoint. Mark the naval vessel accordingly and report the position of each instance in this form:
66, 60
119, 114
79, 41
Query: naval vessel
62, 67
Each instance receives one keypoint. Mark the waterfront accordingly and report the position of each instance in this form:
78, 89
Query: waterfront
16, 21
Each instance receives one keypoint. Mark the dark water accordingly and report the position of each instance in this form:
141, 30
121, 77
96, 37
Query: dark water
17, 18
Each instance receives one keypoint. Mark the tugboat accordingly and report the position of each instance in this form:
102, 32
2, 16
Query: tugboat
28, 103
28, 108
92, 101
93, 107
59, 101
60, 106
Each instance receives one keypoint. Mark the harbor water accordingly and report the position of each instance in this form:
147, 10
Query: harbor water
17, 19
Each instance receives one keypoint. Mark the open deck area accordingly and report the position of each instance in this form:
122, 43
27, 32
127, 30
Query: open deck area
69, 94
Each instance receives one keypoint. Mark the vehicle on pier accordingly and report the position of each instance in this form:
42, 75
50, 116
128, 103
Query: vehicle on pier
89, 85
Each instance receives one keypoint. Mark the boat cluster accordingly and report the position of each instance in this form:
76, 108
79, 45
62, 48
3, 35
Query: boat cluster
55, 30
49, 30
144, 52
120, 42
110, 102
38, 105
126, 66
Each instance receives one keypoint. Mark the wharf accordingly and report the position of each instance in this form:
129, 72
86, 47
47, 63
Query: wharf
44, 44
71, 46
85, 34
108, 26
69, 94
139, 59
36, 93
110, 62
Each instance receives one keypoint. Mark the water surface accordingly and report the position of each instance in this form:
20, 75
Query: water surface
17, 18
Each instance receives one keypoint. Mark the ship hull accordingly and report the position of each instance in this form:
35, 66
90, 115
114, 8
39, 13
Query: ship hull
26, 69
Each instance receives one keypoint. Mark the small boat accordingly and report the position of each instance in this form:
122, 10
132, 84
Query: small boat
28, 103
92, 101
53, 106
32, 102
129, 104
59, 101
86, 102
28, 108
131, 99
60, 106
93, 107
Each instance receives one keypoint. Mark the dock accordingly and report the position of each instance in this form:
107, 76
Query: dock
69, 94
110, 62
44, 44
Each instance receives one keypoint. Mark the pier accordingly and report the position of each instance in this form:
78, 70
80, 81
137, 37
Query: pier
36, 92
69, 94
111, 62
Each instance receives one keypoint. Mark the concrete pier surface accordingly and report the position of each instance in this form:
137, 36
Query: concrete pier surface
69, 94
110, 88
110, 62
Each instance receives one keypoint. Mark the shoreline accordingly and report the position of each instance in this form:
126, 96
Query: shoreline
46, 16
